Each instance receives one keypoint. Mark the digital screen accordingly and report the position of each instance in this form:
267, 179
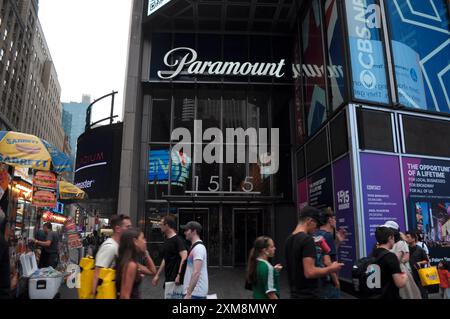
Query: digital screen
159, 164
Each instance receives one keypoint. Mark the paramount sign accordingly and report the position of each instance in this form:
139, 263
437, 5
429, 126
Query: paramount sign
185, 62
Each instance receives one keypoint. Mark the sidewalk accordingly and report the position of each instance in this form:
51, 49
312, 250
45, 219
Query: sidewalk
227, 284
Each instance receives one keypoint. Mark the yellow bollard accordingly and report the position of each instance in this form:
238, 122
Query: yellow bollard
87, 268
106, 288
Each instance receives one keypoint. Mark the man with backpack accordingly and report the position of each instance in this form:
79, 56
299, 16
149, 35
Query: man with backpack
301, 257
380, 276
196, 273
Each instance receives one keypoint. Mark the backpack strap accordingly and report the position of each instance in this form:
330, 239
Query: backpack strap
193, 246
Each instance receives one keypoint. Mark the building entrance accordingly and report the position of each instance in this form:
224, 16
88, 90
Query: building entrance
248, 225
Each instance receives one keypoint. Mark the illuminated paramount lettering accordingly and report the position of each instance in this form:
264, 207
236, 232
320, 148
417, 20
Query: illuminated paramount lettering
369, 18
185, 61
235, 139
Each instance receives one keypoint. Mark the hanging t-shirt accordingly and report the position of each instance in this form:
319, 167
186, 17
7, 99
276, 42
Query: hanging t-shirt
267, 280
201, 289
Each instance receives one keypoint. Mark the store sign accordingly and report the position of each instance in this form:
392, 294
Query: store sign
44, 189
53, 218
155, 5
186, 59
45, 179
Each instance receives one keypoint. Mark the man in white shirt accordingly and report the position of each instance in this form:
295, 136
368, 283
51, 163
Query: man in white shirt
109, 250
196, 276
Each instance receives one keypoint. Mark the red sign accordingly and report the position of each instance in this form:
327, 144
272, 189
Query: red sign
45, 179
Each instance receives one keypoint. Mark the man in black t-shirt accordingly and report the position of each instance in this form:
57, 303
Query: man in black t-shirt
174, 252
301, 256
391, 276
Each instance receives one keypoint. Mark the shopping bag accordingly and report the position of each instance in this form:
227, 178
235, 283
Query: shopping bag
429, 276
173, 291
87, 268
106, 288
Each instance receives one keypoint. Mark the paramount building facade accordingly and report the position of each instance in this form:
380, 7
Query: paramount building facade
356, 103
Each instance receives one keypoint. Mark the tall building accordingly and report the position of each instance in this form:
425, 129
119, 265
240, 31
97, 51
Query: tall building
358, 92
17, 27
43, 111
74, 121
30, 92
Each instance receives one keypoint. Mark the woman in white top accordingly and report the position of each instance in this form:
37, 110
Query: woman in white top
401, 249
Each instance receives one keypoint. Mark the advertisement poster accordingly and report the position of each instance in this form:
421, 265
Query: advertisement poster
427, 191
366, 50
321, 189
44, 189
343, 199
72, 234
382, 194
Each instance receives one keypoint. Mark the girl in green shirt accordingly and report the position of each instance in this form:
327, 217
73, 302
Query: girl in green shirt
263, 277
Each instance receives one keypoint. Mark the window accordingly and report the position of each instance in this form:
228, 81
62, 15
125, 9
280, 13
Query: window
419, 37
420, 136
317, 152
160, 118
375, 130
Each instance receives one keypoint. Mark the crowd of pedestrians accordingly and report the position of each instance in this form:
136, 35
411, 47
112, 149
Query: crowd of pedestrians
311, 261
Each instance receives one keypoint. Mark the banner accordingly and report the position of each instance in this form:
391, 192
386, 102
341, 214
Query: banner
321, 189
382, 194
427, 192
345, 220
44, 189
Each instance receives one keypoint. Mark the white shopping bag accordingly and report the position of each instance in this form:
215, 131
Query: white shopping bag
173, 291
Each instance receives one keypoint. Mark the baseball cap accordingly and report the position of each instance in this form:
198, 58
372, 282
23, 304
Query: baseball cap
192, 225
313, 213
391, 224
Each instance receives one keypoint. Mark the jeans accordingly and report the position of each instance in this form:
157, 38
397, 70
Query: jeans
329, 291
198, 297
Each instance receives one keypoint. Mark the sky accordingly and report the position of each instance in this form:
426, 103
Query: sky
88, 42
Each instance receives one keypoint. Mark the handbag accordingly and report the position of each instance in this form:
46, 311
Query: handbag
173, 291
429, 276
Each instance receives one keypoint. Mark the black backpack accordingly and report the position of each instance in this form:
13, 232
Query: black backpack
361, 273
184, 266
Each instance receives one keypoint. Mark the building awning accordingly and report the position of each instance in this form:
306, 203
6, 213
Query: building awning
260, 16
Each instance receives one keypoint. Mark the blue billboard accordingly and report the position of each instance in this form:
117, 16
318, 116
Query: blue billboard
159, 165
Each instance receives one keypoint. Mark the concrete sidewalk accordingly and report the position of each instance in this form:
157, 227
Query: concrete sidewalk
227, 284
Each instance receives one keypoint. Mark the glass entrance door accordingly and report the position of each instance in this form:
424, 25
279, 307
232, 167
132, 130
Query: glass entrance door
248, 225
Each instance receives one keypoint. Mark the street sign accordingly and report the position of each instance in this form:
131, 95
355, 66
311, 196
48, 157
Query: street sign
154, 5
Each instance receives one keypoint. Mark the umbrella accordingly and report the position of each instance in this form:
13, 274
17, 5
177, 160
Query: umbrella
19, 149
68, 191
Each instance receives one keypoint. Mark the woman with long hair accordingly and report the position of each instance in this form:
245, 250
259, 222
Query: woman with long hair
130, 272
261, 275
